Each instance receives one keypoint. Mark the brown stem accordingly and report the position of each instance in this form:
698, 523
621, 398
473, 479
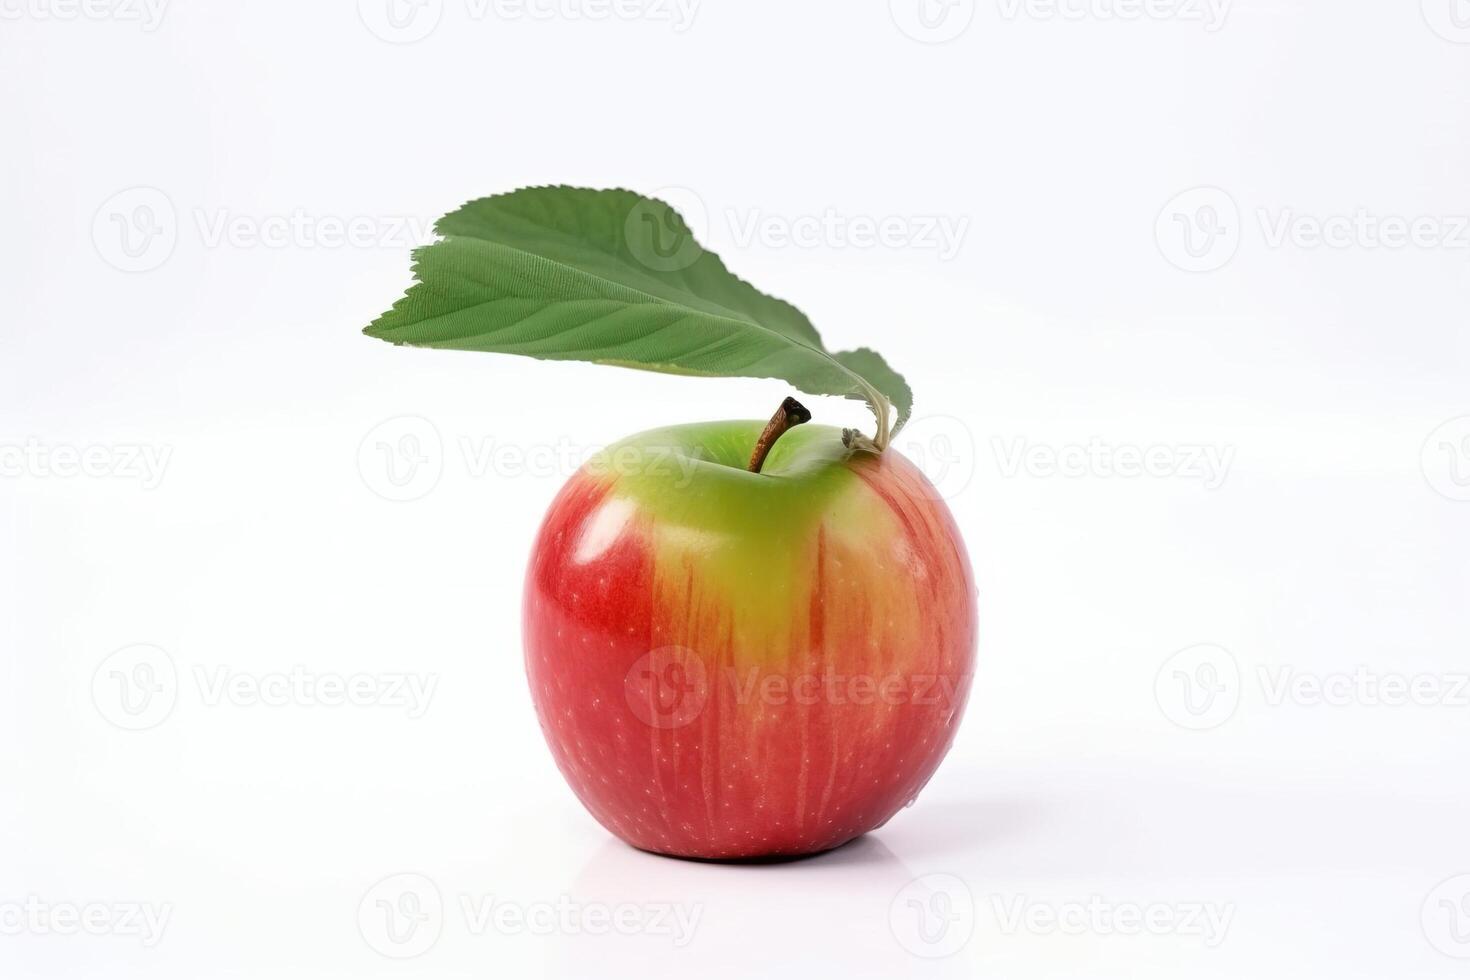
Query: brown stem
791, 413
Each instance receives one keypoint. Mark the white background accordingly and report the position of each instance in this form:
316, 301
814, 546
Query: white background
173, 285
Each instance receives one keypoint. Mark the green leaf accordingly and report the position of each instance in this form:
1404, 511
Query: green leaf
609, 276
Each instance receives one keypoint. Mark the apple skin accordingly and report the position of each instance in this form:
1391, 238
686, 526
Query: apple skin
733, 665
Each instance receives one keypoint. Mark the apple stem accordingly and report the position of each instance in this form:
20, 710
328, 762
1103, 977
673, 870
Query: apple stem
791, 413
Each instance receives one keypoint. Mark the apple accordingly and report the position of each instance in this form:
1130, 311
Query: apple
734, 657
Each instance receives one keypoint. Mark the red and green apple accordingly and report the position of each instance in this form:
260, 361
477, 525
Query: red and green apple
731, 664
742, 640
